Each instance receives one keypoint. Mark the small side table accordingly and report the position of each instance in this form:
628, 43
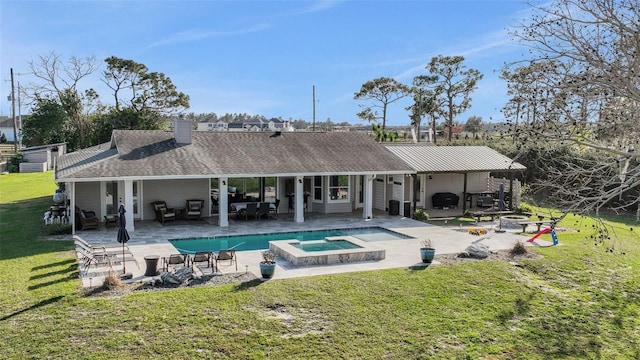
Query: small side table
152, 265
180, 212
110, 219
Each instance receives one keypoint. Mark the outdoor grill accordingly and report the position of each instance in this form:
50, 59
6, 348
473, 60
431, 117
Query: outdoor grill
444, 200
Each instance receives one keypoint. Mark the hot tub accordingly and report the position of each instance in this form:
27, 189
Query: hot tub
332, 250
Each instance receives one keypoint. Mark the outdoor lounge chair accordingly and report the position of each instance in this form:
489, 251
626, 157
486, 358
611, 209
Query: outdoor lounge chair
194, 209
202, 256
103, 254
163, 213
175, 260
224, 255
88, 258
86, 219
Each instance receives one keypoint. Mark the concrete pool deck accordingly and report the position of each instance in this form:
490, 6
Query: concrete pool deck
151, 238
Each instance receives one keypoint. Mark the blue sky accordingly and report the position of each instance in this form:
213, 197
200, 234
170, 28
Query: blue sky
264, 57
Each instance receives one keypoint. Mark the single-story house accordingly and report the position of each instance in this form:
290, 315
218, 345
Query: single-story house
321, 172
6, 128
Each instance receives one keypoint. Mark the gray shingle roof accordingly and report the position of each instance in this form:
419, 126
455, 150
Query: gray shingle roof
433, 159
155, 154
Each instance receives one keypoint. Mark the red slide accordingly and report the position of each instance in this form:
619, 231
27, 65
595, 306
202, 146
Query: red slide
543, 231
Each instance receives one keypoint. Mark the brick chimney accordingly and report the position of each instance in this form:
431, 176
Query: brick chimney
182, 131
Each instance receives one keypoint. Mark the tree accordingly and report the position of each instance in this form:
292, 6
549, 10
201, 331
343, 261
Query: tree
454, 85
424, 102
586, 100
48, 123
384, 91
135, 87
61, 81
473, 125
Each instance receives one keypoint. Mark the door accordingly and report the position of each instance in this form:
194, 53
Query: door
378, 194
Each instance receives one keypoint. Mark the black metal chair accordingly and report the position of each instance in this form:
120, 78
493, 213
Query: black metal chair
202, 256
174, 260
263, 210
251, 210
224, 255
274, 210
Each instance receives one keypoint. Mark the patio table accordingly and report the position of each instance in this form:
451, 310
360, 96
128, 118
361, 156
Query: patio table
240, 206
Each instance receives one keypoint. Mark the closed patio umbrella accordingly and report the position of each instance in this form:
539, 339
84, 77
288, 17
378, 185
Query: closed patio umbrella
501, 205
123, 236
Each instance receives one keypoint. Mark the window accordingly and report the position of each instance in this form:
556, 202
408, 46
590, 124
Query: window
317, 188
339, 188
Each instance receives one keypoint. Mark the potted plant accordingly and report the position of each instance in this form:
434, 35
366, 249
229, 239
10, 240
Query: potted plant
268, 264
427, 252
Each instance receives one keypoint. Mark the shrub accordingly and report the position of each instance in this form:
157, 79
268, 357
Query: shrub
268, 257
519, 249
58, 229
112, 281
421, 215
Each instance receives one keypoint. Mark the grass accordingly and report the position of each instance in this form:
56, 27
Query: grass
577, 301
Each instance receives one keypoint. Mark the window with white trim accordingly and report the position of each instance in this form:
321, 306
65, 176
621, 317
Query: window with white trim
317, 188
339, 188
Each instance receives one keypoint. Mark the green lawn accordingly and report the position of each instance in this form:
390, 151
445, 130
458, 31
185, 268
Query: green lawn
577, 301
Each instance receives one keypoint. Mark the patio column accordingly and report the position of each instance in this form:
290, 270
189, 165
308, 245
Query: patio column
223, 202
299, 207
128, 204
71, 188
367, 206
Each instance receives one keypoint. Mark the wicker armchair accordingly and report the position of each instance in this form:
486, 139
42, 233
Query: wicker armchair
194, 209
162, 212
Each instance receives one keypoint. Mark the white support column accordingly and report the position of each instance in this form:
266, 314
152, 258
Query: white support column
128, 204
367, 206
71, 188
299, 205
223, 202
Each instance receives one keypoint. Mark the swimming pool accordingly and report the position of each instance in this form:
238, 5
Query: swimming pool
261, 241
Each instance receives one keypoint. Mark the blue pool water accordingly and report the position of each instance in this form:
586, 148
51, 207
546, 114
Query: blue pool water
326, 245
261, 241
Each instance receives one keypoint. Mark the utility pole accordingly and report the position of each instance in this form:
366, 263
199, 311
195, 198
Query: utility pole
314, 108
13, 114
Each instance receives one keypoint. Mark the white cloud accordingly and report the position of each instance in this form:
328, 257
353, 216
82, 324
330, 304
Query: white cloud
194, 35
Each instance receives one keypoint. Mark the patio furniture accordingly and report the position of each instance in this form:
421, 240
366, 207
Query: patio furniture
87, 258
110, 219
152, 265
485, 201
251, 210
263, 210
194, 209
103, 254
174, 260
202, 256
86, 219
224, 255
274, 209
163, 213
